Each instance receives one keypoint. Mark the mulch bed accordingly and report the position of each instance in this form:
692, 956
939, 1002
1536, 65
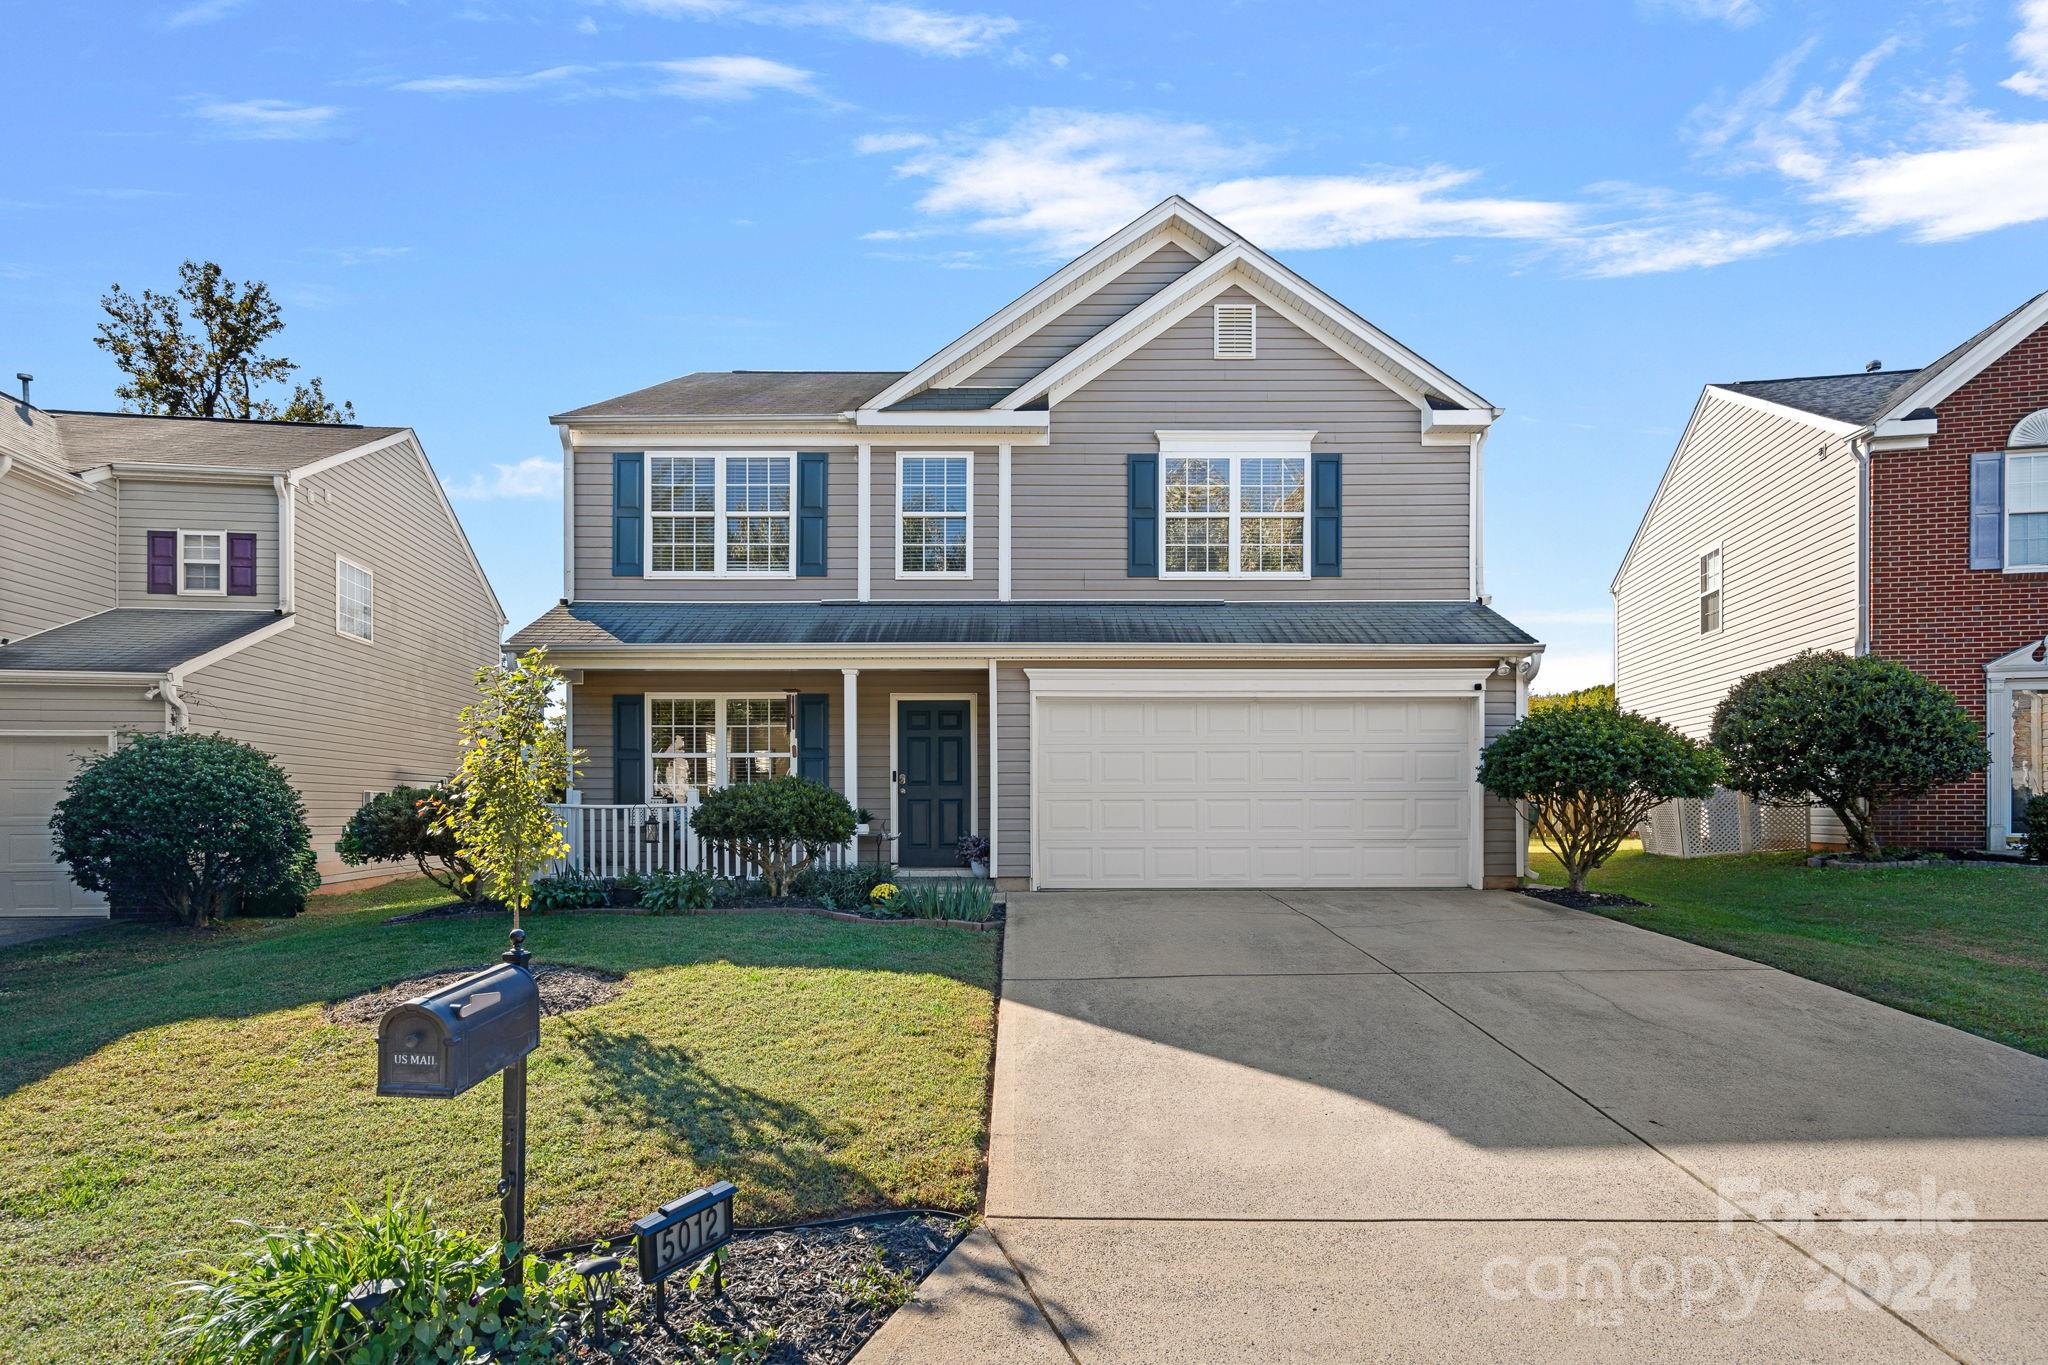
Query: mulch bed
1580, 900
562, 989
817, 1290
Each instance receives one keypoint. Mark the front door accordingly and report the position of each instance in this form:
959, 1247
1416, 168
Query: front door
934, 781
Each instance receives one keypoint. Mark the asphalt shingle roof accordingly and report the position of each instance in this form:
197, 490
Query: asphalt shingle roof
1853, 398
587, 625
747, 393
950, 400
131, 640
97, 438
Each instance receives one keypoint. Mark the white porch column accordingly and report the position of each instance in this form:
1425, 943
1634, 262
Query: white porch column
865, 560
850, 778
995, 732
1002, 531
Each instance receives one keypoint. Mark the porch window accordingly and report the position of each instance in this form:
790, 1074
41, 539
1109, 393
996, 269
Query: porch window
713, 741
1235, 516
2026, 511
1710, 591
714, 515
202, 562
933, 506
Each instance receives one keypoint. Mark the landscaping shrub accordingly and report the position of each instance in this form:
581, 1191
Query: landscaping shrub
281, 1302
570, 891
409, 822
289, 896
1585, 776
1846, 732
841, 888
962, 900
189, 826
2037, 828
768, 822
675, 893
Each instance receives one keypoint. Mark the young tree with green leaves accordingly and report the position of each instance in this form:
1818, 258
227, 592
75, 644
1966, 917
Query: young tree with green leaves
514, 761
199, 352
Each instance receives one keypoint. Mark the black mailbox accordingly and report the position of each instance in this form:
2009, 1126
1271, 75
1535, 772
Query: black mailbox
442, 1043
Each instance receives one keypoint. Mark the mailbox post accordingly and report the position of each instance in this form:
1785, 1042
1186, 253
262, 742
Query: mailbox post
512, 1133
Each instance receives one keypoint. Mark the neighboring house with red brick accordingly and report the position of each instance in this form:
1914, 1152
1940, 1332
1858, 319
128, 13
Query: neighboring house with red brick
1902, 513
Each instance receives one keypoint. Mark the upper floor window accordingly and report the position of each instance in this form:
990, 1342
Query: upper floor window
354, 593
1233, 515
718, 514
699, 742
2026, 511
202, 562
1710, 591
934, 507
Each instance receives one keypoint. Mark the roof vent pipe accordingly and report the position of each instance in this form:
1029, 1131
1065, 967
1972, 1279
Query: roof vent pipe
1872, 367
24, 378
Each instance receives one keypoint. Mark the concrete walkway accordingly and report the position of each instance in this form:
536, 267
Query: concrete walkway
1454, 1124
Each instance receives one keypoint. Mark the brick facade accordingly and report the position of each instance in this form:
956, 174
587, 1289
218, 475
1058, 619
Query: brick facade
1928, 609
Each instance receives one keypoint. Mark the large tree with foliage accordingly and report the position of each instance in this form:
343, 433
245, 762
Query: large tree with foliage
514, 762
1586, 776
1846, 732
1599, 694
199, 351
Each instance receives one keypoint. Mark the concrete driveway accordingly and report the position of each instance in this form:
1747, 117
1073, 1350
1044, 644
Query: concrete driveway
1417, 1125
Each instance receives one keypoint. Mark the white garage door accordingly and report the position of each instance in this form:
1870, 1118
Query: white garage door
33, 771
1252, 791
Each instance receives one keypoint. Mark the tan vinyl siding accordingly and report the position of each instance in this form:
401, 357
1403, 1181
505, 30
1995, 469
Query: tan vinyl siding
343, 716
151, 505
1756, 483
1407, 506
593, 547
1063, 332
92, 709
1502, 859
985, 528
56, 554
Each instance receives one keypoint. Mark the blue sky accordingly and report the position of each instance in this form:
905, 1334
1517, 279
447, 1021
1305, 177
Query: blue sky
479, 214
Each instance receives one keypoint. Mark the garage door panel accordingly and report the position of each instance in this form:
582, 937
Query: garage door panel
34, 770
1226, 767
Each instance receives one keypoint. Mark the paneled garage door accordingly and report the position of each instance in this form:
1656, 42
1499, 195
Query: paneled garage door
1250, 791
33, 771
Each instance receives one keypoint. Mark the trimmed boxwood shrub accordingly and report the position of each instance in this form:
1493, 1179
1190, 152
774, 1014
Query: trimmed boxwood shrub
766, 822
1846, 732
406, 822
187, 826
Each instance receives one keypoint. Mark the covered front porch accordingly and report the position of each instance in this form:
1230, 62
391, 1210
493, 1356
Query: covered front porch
909, 746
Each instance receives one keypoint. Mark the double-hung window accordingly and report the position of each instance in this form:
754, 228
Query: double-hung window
1710, 591
934, 508
699, 742
202, 563
354, 600
2026, 511
1234, 505
719, 515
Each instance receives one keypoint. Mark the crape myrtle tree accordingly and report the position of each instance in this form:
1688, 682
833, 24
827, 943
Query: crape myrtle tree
768, 822
1585, 777
409, 822
1846, 732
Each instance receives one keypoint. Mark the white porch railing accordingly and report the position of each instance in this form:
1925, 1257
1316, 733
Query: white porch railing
612, 841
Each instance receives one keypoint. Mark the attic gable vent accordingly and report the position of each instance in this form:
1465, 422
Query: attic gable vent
1237, 331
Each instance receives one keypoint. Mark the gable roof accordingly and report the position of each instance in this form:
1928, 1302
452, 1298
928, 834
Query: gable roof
91, 439
131, 640
746, 393
1853, 398
1937, 381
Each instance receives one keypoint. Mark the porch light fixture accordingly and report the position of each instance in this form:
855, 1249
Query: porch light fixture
650, 831
597, 1273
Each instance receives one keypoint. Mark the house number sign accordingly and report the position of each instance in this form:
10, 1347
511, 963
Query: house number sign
684, 1232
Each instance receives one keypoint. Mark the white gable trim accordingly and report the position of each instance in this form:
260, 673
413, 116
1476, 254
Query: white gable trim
1744, 400
1974, 361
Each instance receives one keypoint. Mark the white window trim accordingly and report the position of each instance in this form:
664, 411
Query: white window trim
1231, 447
2007, 513
369, 573
719, 754
920, 574
1216, 328
2017, 672
222, 590
718, 513
1720, 591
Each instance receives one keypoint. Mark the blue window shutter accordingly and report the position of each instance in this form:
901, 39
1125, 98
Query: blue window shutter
629, 748
1142, 516
628, 525
814, 736
1987, 511
810, 515
1326, 513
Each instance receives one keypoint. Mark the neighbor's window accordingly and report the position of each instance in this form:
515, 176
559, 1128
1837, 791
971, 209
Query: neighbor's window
202, 562
2026, 511
354, 600
719, 514
1233, 515
712, 741
1710, 592
932, 510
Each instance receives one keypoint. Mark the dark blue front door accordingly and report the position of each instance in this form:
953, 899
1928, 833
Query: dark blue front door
934, 755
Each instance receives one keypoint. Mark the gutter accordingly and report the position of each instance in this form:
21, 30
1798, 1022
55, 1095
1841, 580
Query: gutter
828, 654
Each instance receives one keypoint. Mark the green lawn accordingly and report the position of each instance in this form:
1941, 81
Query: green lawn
1964, 943
156, 1084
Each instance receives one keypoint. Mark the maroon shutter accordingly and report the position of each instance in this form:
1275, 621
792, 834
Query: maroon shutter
163, 561
241, 564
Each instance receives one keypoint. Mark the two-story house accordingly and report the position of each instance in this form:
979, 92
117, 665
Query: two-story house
304, 588
1901, 512
1166, 574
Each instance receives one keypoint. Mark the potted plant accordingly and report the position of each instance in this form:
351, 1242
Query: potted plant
974, 854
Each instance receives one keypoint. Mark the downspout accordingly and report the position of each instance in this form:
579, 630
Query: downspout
1479, 518
1859, 446
168, 690
287, 557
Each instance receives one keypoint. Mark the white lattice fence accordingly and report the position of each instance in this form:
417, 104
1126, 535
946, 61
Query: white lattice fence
1726, 822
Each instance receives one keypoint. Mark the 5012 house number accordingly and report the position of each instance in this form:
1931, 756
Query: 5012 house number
684, 1232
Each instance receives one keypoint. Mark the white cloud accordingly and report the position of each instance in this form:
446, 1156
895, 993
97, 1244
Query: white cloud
1738, 13
934, 32
1569, 670
869, 144
1992, 175
202, 12
732, 78
537, 477
496, 85
703, 78
586, 25
269, 120
2030, 46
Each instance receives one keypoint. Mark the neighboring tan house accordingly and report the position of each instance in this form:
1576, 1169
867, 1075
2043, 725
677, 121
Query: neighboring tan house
1897, 512
304, 588
1166, 574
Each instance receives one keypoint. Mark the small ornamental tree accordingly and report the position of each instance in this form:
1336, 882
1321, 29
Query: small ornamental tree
1848, 733
513, 763
767, 822
187, 826
1586, 776
408, 822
